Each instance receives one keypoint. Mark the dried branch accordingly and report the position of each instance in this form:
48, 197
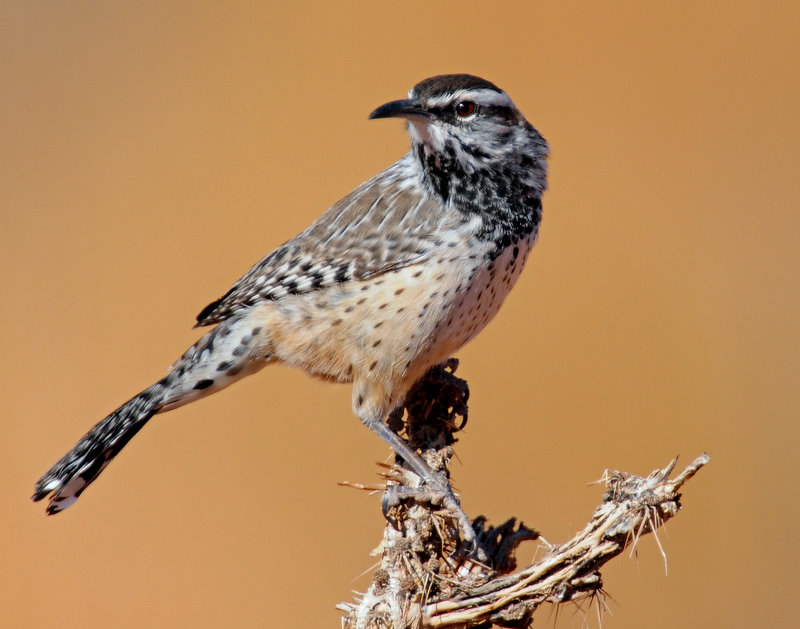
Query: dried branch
427, 579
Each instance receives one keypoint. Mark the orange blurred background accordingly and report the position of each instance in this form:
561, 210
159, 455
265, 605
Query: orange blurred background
151, 152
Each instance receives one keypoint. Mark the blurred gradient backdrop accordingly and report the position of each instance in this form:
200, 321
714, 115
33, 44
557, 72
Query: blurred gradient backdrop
150, 152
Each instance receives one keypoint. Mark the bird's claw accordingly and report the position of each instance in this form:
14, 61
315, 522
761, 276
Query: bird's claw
438, 495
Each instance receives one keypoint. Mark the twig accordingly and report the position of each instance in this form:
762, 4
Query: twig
425, 577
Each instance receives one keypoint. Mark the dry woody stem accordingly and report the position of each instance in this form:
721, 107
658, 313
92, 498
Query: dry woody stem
428, 578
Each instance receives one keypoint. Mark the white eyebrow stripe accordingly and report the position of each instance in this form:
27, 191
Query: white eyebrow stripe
482, 97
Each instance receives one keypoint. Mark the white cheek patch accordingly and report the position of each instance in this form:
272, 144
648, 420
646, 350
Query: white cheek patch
428, 133
418, 130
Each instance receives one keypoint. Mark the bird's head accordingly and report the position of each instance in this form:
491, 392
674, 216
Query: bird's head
467, 123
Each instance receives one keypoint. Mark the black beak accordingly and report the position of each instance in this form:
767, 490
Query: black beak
409, 108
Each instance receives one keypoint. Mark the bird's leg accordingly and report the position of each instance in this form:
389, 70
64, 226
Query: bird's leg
442, 492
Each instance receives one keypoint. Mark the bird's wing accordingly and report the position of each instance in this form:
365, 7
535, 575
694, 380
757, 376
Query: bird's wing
381, 226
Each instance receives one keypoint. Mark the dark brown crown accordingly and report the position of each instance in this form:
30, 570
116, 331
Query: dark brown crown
444, 84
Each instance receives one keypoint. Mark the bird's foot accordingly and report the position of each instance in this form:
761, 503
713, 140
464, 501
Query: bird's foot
434, 492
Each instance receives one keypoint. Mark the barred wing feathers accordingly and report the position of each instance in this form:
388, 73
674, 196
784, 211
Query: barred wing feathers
381, 226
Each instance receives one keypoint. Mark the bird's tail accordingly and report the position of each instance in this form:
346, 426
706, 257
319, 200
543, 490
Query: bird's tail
67, 479
232, 350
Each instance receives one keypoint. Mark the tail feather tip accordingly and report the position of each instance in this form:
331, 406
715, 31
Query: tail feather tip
61, 496
43, 489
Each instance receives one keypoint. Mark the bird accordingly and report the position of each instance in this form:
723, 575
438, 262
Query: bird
390, 281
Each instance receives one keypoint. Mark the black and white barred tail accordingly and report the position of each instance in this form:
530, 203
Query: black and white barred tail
232, 350
67, 479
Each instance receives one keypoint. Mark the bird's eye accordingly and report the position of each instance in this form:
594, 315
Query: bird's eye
465, 108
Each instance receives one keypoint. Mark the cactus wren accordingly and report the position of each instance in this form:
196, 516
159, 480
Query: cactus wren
391, 280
